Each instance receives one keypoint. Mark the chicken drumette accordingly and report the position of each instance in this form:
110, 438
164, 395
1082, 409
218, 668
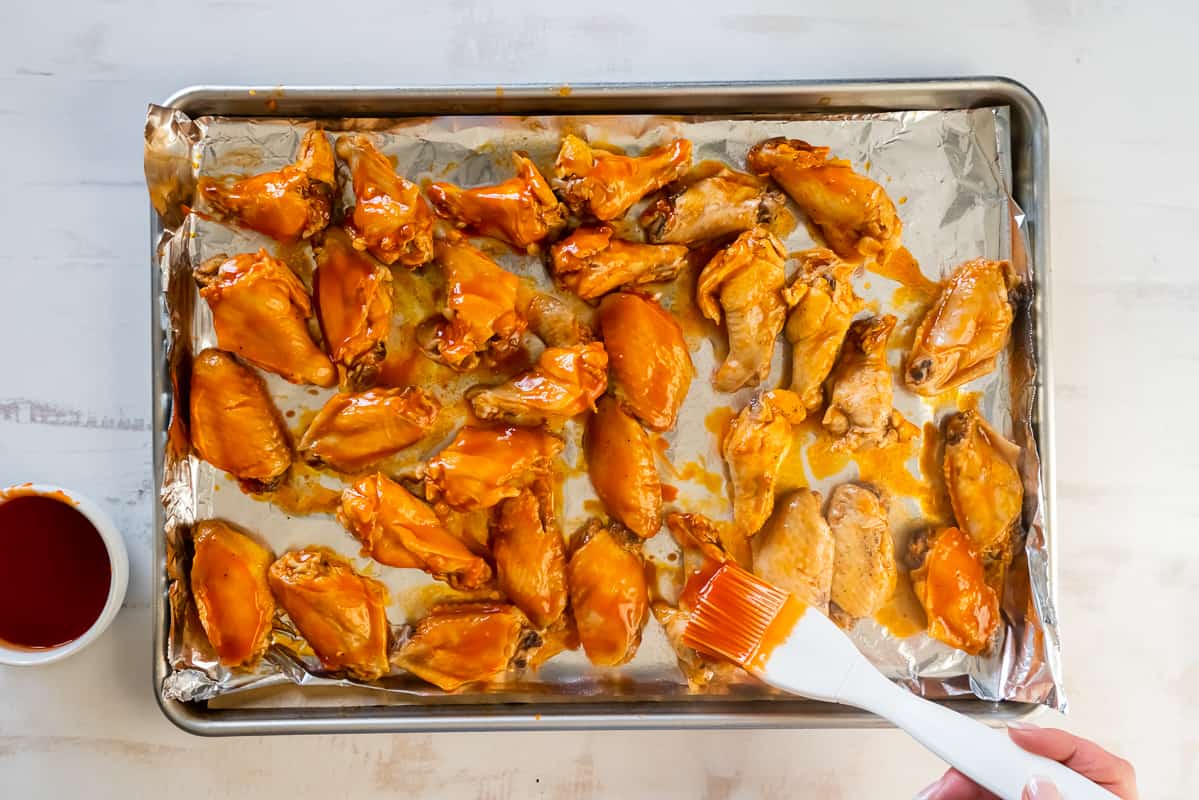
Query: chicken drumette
565, 382
823, 306
603, 185
591, 262
859, 406
755, 446
710, 207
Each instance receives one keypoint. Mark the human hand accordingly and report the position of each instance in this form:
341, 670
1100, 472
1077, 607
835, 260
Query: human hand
1081, 755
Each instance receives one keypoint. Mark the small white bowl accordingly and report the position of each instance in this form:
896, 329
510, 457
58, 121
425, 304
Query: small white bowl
118, 560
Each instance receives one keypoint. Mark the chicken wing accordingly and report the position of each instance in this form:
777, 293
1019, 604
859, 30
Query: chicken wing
714, 206
748, 277
530, 556
390, 218
353, 431
480, 305
521, 211
965, 330
482, 466
864, 569
353, 306
341, 614
234, 424
228, 581
290, 204
853, 212
795, 550
461, 643
755, 446
591, 263
399, 530
605, 185
260, 311
962, 610
859, 406
565, 382
620, 461
555, 322
609, 597
705, 542
983, 479
823, 306
651, 367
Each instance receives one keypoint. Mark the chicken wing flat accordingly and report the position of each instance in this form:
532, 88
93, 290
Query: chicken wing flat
353, 306
965, 330
390, 218
461, 643
746, 279
853, 212
521, 211
399, 530
353, 431
823, 306
755, 446
609, 597
565, 382
228, 581
859, 404
530, 556
341, 614
796, 551
290, 204
482, 466
260, 311
718, 205
651, 367
234, 424
962, 610
620, 461
864, 569
597, 183
983, 479
480, 305
591, 262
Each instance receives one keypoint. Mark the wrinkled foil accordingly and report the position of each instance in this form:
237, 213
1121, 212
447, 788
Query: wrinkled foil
950, 173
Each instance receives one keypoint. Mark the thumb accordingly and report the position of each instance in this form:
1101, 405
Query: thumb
1040, 789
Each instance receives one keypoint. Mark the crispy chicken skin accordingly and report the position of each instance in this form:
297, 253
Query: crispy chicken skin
983, 479
965, 330
754, 447
260, 311
480, 305
620, 461
484, 465
530, 556
795, 549
609, 597
597, 183
399, 530
341, 614
521, 211
853, 212
228, 581
564, 383
823, 306
290, 204
461, 643
714, 206
859, 405
746, 280
353, 306
864, 569
353, 431
234, 424
390, 218
554, 322
650, 366
591, 262
962, 610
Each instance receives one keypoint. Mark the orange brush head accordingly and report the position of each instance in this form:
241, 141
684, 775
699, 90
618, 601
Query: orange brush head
734, 614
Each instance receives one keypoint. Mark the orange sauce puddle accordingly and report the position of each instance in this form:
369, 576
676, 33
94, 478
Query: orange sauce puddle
717, 421
303, 493
698, 471
594, 507
902, 616
670, 493
903, 268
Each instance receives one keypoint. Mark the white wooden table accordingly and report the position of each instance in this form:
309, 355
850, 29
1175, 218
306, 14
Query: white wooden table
1118, 80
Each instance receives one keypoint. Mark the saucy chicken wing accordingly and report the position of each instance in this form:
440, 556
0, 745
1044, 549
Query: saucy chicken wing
755, 446
597, 183
482, 466
983, 479
591, 262
390, 218
823, 306
290, 204
609, 597
234, 424
965, 330
859, 405
341, 614
521, 211
565, 382
795, 549
853, 212
228, 581
399, 530
260, 311
480, 305
620, 461
461, 643
530, 556
962, 610
651, 367
864, 569
746, 280
353, 431
353, 306
714, 206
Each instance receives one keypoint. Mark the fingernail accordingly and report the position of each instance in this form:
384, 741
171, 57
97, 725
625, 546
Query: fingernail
929, 792
1023, 726
1041, 789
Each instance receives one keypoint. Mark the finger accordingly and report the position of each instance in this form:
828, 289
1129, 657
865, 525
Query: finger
953, 785
1040, 789
1081, 755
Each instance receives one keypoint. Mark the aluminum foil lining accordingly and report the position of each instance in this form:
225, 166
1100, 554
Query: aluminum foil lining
950, 175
